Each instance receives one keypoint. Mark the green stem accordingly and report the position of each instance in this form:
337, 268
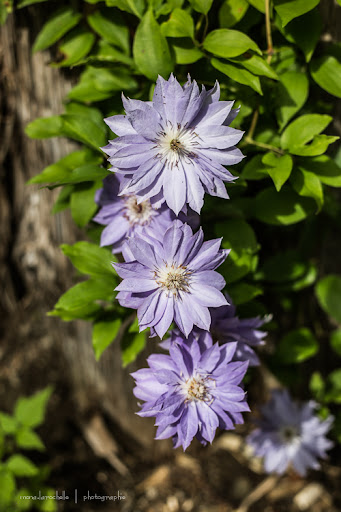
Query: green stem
249, 140
268, 31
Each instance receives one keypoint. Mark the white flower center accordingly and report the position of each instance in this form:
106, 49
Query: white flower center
289, 434
173, 279
138, 213
196, 388
176, 143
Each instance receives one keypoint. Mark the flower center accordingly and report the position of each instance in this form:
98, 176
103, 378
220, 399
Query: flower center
197, 389
173, 279
176, 143
138, 213
288, 433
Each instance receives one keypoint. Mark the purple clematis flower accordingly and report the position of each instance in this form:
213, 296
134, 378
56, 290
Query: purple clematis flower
124, 217
192, 392
174, 148
225, 327
172, 279
289, 433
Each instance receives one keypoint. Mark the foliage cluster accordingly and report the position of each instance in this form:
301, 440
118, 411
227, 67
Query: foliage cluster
270, 58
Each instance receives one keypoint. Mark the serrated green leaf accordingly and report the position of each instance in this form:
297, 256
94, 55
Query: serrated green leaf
297, 346
104, 332
58, 24
289, 9
326, 72
238, 74
30, 411
292, 93
180, 24
284, 207
202, 6
307, 184
110, 26
303, 130
150, 49
90, 259
227, 43
305, 31
185, 51
326, 170
335, 341
21, 466
82, 204
8, 424
231, 12
75, 47
29, 440
278, 167
7, 488
328, 292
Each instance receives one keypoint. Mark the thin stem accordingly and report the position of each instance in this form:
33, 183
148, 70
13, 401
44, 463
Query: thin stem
249, 140
253, 124
268, 31
206, 27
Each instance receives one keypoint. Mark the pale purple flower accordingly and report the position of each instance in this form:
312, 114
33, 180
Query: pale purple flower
225, 327
290, 434
174, 148
172, 279
124, 217
192, 392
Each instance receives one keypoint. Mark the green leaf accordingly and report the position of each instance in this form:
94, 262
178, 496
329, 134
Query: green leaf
85, 312
284, 207
83, 206
7, 488
290, 9
305, 31
21, 502
244, 292
278, 167
303, 130
307, 184
30, 411
29, 440
62, 170
180, 24
132, 344
21, 466
258, 4
58, 24
257, 66
317, 385
228, 43
104, 331
92, 113
97, 84
231, 12
324, 168
292, 93
326, 72
83, 294
90, 259
254, 169
240, 237
8, 424
109, 25
334, 384
328, 292
24, 3
85, 173
76, 46
297, 346
238, 74
202, 6
63, 200
283, 267
335, 341
318, 146
185, 51
45, 127
150, 49
133, 6
84, 130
